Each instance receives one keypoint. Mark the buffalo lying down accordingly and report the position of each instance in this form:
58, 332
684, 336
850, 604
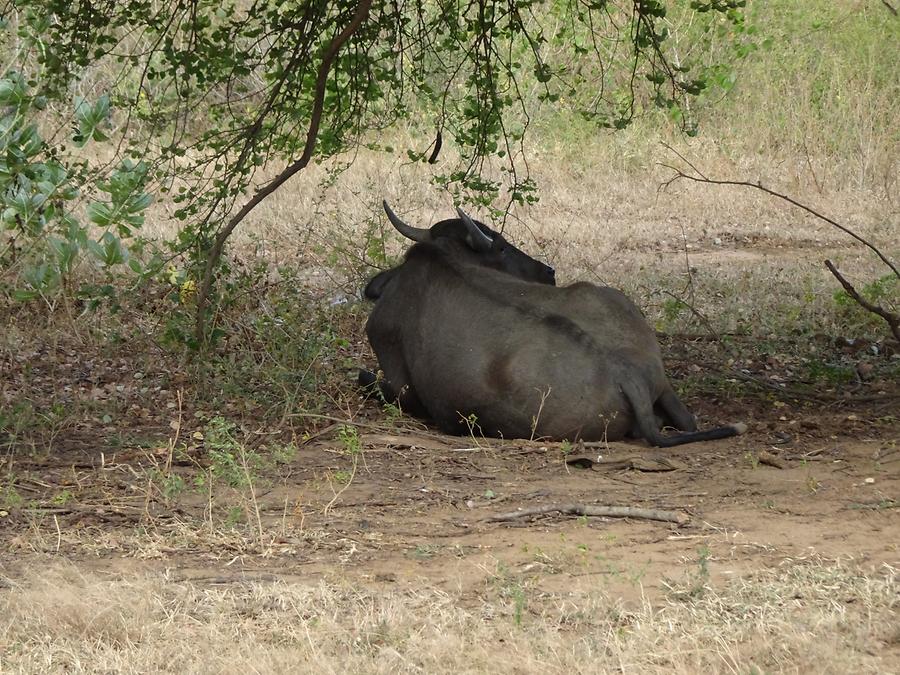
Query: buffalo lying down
473, 334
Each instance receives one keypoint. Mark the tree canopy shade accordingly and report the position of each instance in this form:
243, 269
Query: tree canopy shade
198, 95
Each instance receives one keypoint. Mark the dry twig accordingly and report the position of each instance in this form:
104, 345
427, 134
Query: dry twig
697, 176
590, 510
766, 457
893, 320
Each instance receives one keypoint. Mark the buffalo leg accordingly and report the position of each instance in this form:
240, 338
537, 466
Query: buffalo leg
675, 412
394, 391
645, 421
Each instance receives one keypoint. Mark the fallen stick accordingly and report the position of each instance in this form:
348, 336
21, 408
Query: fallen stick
588, 510
766, 457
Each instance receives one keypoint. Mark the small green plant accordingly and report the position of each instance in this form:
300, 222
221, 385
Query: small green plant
10, 497
229, 460
424, 551
519, 603
703, 563
16, 419
342, 477
348, 435
637, 575
695, 585
63, 497
235, 516
173, 485
392, 412
671, 310
832, 374
885, 288
284, 454
471, 421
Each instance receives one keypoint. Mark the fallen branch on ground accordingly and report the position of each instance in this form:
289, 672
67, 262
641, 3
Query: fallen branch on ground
766, 457
636, 463
588, 510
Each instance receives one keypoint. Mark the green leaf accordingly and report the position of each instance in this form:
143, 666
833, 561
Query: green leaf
100, 214
24, 296
12, 90
90, 117
543, 73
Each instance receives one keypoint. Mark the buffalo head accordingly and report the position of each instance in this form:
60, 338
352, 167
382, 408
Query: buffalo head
490, 247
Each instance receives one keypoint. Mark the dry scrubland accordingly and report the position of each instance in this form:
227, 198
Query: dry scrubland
64, 619
135, 542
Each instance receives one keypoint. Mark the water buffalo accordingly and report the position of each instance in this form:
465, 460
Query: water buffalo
492, 249
473, 334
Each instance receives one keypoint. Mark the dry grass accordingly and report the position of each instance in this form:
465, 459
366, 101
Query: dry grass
815, 116
813, 617
757, 261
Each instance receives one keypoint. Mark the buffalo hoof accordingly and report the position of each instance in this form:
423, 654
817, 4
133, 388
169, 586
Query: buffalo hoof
367, 378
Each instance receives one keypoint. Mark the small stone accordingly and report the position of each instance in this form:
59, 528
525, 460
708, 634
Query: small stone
869, 481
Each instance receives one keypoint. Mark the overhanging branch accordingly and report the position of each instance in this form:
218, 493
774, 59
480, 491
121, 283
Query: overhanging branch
700, 178
892, 319
328, 58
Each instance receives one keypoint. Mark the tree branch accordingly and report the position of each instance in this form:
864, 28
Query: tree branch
588, 510
893, 320
328, 58
700, 178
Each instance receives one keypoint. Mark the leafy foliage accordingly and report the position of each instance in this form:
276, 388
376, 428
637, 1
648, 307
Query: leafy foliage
199, 95
42, 188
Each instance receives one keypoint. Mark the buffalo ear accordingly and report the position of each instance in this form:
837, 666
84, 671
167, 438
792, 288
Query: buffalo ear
476, 239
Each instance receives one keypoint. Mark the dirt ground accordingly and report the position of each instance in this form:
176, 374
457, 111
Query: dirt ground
406, 504
386, 506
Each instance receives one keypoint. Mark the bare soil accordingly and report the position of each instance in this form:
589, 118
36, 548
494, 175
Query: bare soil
411, 504
113, 473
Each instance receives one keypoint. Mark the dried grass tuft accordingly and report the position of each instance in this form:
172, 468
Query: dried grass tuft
813, 616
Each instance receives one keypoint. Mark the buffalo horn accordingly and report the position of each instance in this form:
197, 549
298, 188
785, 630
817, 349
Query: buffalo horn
415, 233
478, 240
